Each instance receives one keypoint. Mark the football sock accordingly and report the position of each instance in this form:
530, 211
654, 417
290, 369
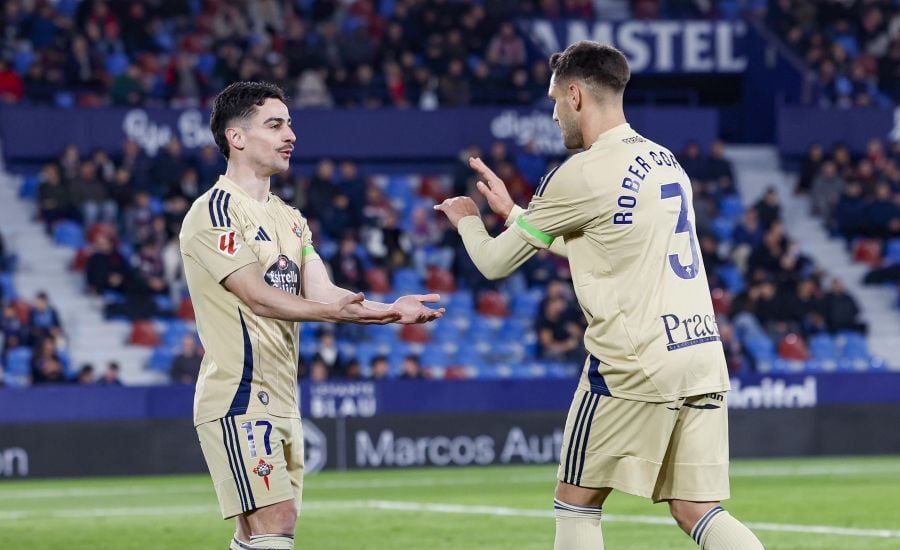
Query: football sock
718, 530
577, 527
272, 542
238, 545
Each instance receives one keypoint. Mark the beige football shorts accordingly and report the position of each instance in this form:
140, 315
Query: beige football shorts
664, 451
255, 460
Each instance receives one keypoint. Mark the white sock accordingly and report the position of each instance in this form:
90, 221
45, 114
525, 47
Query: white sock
577, 527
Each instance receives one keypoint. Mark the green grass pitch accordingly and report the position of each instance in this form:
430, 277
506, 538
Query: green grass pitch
798, 504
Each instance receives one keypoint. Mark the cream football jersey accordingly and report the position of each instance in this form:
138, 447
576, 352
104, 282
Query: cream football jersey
624, 209
250, 362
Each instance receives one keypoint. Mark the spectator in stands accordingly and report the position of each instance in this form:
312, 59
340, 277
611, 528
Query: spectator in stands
91, 197
167, 168
85, 375
768, 208
186, 365
44, 319
54, 202
318, 371
827, 186
346, 267
328, 353
12, 88
106, 269
840, 310
881, 212
719, 170
812, 163
4, 260
506, 49
380, 367
13, 330
46, 365
411, 368
559, 338
694, 163
848, 212
138, 219
110, 377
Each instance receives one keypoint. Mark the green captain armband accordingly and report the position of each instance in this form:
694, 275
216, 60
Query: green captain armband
307, 250
534, 231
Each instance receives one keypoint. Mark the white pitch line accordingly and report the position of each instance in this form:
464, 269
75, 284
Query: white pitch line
313, 483
441, 508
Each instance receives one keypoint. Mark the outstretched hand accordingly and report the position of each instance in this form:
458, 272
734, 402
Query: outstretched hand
350, 309
492, 187
412, 308
457, 208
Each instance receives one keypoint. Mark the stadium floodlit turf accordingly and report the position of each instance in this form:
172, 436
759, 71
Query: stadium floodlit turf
833, 503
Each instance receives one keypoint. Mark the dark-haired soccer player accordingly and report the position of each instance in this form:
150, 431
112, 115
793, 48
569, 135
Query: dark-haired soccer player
253, 274
649, 416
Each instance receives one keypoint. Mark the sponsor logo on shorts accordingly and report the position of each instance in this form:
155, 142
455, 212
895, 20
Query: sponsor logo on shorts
263, 469
682, 332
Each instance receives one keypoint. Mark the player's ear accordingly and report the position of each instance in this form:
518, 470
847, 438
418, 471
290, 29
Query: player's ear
574, 96
235, 137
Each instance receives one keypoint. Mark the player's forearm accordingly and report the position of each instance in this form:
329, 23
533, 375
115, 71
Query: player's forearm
336, 293
558, 246
497, 257
277, 304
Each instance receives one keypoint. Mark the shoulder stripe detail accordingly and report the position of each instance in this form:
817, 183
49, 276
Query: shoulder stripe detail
545, 181
533, 231
225, 209
212, 215
219, 217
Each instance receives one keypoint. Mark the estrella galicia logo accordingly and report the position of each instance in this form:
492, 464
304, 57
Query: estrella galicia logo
689, 331
263, 397
284, 275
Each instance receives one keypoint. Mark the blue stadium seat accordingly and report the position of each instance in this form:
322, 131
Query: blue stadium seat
160, 360
29, 187
407, 280
733, 278
722, 228
892, 251
18, 361
823, 347
731, 208
7, 287
68, 234
855, 346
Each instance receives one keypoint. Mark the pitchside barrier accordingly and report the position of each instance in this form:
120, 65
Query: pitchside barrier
80, 431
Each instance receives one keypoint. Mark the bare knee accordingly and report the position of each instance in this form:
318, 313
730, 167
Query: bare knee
580, 496
688, 513
278, 518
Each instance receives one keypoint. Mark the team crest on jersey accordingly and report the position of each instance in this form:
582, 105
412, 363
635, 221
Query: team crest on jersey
227, 244
297, 231
263, 397
263, 470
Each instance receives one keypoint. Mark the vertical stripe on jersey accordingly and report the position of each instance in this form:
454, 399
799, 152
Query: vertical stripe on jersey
219, 216
243, 469
225, 210
575, 425
212, 215
226, 440
543, 185
587, 436
242, 395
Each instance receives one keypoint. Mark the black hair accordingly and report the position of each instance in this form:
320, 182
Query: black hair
595, 63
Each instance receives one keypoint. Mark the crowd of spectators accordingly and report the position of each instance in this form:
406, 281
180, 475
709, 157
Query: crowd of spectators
852, 48
858, 199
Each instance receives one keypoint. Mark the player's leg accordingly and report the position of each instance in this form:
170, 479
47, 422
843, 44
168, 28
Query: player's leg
578, 511
608, 444
241, 538
694, 477
272, 527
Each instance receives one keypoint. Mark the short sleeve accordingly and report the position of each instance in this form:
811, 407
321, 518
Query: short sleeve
213, 241
563, 203
302, 229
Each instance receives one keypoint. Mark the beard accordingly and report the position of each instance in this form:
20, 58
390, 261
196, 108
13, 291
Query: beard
571, 134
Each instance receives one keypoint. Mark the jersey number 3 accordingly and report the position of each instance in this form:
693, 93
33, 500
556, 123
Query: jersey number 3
683, 225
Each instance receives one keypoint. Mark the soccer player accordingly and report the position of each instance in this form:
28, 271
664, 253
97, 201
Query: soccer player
253, 274
649, 416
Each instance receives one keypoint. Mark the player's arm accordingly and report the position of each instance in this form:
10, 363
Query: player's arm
247, 284
317, 285
494, 190
496, 257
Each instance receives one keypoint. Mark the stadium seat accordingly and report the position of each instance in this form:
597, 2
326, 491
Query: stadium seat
407, 281
439, 280
18, 361
892, 252
22, 309
854, 346
7, 287
823, 347
731, 208
186, 310
722, 229
377, 280
143, 333
792, 347
733, 278
721, 301
160, 360
69, 234
492, 303
867, 251
29, 187
415, 334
